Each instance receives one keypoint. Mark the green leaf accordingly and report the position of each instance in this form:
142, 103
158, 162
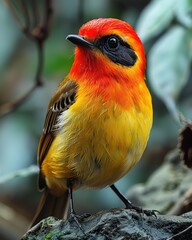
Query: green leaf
184, 12
155, 18
169, 64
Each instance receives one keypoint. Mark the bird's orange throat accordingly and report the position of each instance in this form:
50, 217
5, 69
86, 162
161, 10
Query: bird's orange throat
113, 83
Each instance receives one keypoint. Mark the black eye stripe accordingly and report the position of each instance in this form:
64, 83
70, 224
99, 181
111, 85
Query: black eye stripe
117, 50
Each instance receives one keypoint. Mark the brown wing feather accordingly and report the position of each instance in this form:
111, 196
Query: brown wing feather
60, 102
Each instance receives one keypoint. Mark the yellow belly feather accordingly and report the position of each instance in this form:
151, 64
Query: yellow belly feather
97, 146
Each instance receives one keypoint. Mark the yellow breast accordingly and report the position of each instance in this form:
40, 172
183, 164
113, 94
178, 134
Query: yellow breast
98, 143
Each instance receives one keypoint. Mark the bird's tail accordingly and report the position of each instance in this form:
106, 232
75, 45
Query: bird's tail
50, 205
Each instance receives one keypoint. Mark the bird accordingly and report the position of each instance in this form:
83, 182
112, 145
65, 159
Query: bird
99, 119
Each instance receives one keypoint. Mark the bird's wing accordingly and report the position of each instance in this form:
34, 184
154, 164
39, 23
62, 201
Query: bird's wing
60, 102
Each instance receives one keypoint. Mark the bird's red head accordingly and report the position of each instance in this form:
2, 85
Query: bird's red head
108, 43
97, 28
108, 50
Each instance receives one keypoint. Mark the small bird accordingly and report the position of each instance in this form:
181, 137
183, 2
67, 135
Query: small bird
99, 119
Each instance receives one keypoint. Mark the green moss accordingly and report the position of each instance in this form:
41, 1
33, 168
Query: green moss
48, 236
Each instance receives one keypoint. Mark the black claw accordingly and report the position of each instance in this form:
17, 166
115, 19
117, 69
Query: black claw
74, 217
129, 205
154, 213
148, 213
72, 211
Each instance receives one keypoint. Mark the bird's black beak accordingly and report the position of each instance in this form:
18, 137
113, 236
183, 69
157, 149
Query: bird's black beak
79, 41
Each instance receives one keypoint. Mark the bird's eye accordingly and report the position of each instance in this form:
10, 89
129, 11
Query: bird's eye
113, 43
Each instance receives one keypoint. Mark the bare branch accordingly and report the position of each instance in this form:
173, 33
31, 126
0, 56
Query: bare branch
183, 205
11, 106
40, 49
35, 13
48, 14
36, 31
174, 237
25, 12
13, 12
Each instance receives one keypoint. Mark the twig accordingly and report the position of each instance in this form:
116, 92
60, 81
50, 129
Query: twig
179, 234
35, 13
38, 33
11, 9
48, 13
40, 50
30, 171
183, 205
26, 15
9, 107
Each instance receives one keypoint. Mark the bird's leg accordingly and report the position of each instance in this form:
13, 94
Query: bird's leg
129, 205
73, 215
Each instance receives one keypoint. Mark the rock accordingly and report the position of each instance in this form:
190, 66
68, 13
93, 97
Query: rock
164, 190
164, 187
117, 224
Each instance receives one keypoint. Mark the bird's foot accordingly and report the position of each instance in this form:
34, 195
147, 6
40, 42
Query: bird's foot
74, 217
142, 211
129, 205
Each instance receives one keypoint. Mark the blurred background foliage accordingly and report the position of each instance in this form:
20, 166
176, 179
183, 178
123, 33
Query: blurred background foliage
165, 27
